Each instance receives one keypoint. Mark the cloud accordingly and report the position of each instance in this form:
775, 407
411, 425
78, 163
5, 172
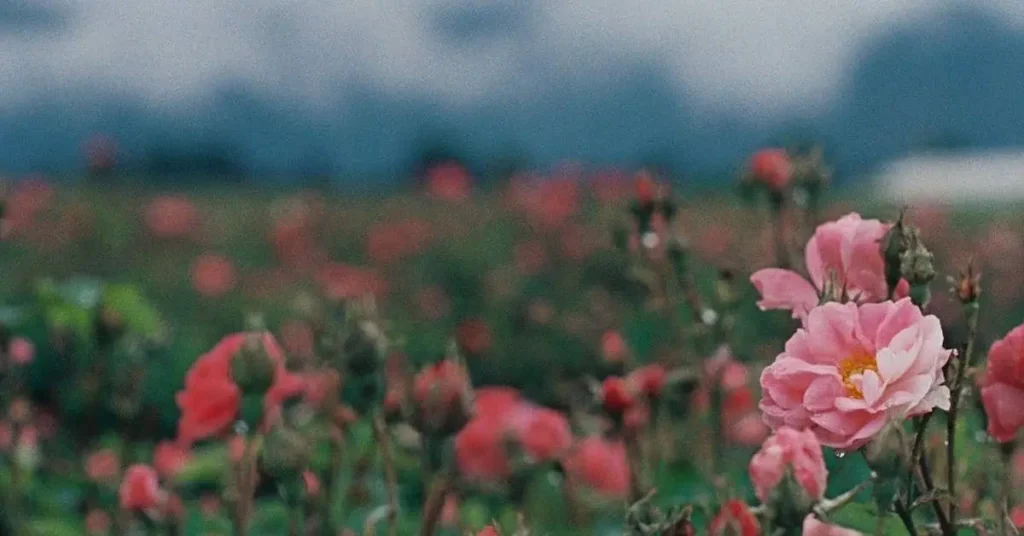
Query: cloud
765, 57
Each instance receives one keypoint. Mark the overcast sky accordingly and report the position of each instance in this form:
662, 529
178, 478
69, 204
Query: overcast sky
759, 55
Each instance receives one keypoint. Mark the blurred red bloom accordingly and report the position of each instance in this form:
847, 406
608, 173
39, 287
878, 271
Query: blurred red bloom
21, 351
170, 216
545, 434
601, 465
772, 168
391, 241
311, 483
450, 511
449, 181
213, 275
613, 347
169, 457
617, 395
489, 530
346, 282
473, 336
26, 200
734, 518
140, 489
102, 465
644, 188
97, 522
1002, 386
480, 450
495, 403
649, 379
439, 392
210, 401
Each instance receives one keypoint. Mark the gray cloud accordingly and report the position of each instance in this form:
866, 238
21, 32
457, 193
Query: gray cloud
759, 56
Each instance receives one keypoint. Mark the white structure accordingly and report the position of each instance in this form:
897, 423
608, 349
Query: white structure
996, 176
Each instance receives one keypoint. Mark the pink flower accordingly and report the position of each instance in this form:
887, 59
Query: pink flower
489, 530
169, 457
170, 216
213, 275
772, 168
21, 351
102, 465
852, 368
789, 449
140, 489
813, 527
544, 434
601, 465
1002, 386
480, 450
849, 248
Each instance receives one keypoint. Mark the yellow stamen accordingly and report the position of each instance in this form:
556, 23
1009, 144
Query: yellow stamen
855, 365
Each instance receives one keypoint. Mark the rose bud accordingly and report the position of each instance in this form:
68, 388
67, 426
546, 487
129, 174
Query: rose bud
616, 396
441, 395
140, 489
286, 453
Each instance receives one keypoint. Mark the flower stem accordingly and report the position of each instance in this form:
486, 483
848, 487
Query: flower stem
380, 433
964, 363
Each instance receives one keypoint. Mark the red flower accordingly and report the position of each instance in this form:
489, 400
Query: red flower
645, 188
21, 351
210, 401
613, 347
616, 395
1002, 386
439, 392
495, 402
449, 181
650, 380
213, 275
102, 465
170, 216
772, 168
473, 336
140, 489
311, 483
600, 464
169, 457
734, 518
545, 434
480, 450
489, 530
346, 282
97, 522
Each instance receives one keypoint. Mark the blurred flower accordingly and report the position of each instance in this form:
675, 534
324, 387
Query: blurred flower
544, 434
311, 484
473, 336
1002, 386
449, 181
140, 490
213, 275
480, 450
97, 522
813, 527
613, 347
600, 464
390, 241
846, 249
734, 518
617, 395
489, 530
649, 380
853, 368
170, 216
102, 465
21, 351
789, 450
27, 199
211, 399
320, 386
771, 168
1017, 516
169, 457
450, 511
644, 188
346, 282
440, 393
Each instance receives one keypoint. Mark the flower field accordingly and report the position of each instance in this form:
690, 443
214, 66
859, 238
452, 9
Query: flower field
575, 353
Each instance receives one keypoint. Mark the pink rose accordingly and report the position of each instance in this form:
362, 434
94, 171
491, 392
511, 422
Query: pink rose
22, 351
140, 489
169, 457
789, 449
852, 368
848, 248
544, 434
601, 465
1002, 386
813, 527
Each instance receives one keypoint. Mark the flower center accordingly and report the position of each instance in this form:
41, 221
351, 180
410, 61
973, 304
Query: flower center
852, 368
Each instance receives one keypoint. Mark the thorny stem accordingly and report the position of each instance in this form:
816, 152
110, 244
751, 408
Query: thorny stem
827, 506
915, 453
905, 517
929, 486
245, 482
435, 502
963, 367
390, 480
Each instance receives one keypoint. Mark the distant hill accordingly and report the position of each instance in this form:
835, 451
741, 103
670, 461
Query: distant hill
952, 80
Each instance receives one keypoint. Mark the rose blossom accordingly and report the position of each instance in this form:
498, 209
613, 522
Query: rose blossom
21, 351
102, 465
210, 401
789, 449
489, 530
139, 489
852, 368
772, 168
847, 249
813, 527
544, 433
1002, 386
169, 457
601, 465
734, 518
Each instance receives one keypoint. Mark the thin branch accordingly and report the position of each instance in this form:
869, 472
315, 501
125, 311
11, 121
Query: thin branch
380, 433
